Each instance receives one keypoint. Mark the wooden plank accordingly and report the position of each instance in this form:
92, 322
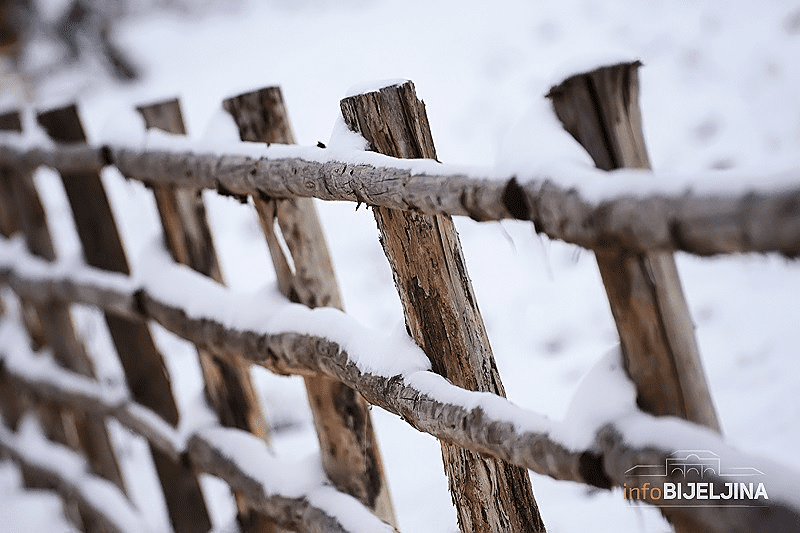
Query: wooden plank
144, 367
441, 311
600, 109
349, 447
229, 387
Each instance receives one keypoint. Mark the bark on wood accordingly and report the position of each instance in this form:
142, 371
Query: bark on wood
605, 465
349, 448
699, 223
441, 312
229, 387
600, 109
615, 454
143, 364
294, 353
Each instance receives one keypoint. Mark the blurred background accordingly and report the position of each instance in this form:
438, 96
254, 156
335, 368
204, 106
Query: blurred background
719, 101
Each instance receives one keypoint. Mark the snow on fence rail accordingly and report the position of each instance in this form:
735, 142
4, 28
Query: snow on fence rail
678, 219
446, 385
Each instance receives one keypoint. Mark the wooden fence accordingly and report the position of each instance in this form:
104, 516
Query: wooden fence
488, 444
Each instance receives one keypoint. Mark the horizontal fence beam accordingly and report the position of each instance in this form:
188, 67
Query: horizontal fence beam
208, 449
694, 222
481, 422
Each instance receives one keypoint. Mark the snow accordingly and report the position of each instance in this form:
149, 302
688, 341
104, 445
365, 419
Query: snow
604, 395
267, 311
718, 91
300, 478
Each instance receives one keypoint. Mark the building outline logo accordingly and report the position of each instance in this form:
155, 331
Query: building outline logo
703, 481
685, 462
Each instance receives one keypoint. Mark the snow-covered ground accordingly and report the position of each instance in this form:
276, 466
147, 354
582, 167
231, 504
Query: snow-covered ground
719, 86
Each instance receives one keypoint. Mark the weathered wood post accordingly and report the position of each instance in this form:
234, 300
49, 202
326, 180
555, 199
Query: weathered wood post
348, 444
11, 406
143, 364
229, 387
441, 311
601, 110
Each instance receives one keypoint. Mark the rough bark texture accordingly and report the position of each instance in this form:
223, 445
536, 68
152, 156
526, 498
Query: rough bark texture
441, 311
698, 223
601, 110
143, 364
348, 445
228, 384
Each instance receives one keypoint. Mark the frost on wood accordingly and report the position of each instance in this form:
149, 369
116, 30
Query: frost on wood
703, 223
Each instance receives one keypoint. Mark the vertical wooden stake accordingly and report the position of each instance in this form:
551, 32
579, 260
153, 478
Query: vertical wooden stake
188, 237
143, 364
601, 110
51, 325
441, 311
348, 445
11, 406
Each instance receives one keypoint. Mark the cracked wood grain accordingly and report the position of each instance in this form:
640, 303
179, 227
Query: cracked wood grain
441, 312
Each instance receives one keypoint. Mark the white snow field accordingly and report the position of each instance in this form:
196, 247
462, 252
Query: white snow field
719, 87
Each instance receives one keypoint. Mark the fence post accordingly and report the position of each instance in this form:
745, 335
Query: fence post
601, 110
188, 237
11, 406
51, 325
144, 367
348, 444
441, 311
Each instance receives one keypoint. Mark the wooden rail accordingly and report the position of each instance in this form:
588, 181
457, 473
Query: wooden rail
487, 442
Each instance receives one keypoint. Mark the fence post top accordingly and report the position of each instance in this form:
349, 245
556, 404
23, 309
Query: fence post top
63, 124
563, 85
